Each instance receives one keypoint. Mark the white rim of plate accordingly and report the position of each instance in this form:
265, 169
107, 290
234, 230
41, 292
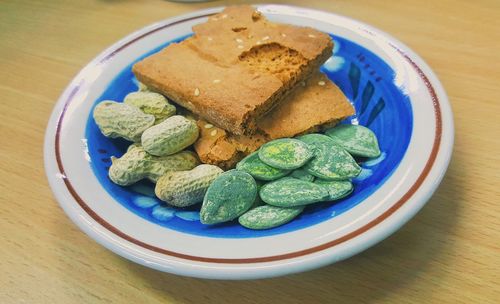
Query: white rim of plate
392, 205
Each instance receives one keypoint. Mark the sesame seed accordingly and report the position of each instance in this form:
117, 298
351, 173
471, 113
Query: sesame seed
210, 38
265, 38
240, 46
224, 16
311, 36
196, 92
283, 35
213, 133
250, 36
258, 42
321, 83
239, 40
208, 126
216, 81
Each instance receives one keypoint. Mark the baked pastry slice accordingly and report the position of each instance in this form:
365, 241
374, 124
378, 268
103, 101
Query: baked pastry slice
236, 67
313, 106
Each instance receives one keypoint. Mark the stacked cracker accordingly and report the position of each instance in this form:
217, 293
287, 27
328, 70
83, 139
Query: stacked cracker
247, 81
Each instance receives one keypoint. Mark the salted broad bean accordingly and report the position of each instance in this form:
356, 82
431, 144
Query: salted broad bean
302, 174
267, 216
314, 138
356, 139
336, 189
258, 169
332, 162
290, 192
285, 153
228, 197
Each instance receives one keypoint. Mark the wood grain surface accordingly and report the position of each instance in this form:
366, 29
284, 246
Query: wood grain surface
448, 253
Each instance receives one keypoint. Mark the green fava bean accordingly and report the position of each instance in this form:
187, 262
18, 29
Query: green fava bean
285, 153
332, 162
230, 195
336, 189
258, 201
302, 174
357, 140
267, 216
290, 192
258, 169
313, 138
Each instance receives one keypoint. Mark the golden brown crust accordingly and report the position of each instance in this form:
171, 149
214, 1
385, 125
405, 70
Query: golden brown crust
221, 95
310, 108
236, 67
314, 103
217, 147
236, 22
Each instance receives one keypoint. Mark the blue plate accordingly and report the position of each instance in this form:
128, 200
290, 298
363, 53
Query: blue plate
364, 78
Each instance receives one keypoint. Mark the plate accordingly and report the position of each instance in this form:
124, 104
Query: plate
395, 94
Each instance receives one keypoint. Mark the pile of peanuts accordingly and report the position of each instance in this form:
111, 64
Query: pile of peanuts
159, 138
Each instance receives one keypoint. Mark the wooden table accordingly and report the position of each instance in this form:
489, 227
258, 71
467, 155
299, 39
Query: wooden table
449, 253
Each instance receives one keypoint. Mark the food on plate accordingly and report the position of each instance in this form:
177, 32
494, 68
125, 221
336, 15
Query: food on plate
151, 103
285, 153
116, 119
172, 135
265, 217
336, 189
302, 174
236, 67
246, 93
332, 162
309, 108
290, 192
356, 139
260, 170
186, 188
300, 188
218, 147
230, 195
258, 201
314, 138
136, 164
314, 105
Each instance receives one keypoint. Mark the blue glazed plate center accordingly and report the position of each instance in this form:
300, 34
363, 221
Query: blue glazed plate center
364, 78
